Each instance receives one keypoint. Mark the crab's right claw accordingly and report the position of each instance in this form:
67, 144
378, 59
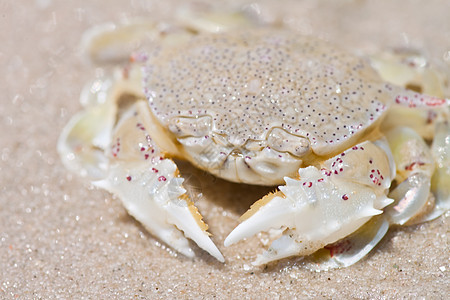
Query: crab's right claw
149, 185
153, 194
323, 206
113, 147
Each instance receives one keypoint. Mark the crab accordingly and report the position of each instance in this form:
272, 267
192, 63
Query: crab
352, 153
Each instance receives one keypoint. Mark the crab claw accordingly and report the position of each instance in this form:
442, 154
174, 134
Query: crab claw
323, 205
149, 185
110, 143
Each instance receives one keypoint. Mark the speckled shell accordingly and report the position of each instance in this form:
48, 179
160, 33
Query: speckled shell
247, 83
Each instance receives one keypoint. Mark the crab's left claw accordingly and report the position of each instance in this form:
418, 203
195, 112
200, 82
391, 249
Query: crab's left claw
324, 204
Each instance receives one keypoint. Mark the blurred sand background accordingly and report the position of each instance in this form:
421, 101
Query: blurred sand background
60, 238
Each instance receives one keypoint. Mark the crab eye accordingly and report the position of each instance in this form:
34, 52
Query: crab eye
284, 141
185, 126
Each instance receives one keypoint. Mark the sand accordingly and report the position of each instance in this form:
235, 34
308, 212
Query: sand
61, 238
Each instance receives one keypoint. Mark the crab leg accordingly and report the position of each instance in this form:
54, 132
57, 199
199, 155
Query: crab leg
324, 204
109, 43
440, 182
423, 177
83, 140
415, 166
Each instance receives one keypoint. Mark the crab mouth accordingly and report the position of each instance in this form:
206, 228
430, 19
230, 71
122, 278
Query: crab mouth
264, 166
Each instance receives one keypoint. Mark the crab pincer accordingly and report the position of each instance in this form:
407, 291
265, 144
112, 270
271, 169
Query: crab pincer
120, 156
150, 187
346, 204
323, 205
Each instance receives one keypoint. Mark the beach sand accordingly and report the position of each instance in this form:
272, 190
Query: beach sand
61, 238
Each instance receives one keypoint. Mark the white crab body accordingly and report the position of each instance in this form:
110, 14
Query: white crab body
264, 106
253, 106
